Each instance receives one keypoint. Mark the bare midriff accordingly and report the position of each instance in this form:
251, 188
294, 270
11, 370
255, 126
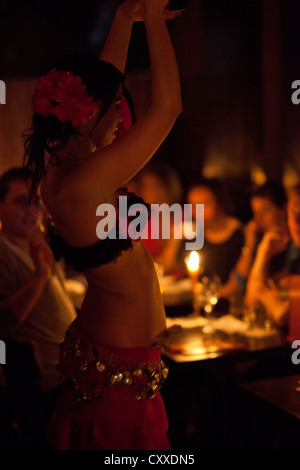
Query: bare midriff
123, 305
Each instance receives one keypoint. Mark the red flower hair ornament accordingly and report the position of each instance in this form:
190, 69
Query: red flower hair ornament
63, 95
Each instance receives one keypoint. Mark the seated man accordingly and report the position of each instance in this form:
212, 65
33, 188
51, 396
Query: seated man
34, 306
273, 292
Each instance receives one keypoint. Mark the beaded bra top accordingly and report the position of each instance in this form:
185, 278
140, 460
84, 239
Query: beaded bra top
103, 252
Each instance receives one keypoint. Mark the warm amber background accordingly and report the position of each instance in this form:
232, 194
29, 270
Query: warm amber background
238, 59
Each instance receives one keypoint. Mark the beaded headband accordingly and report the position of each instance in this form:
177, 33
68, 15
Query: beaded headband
63, 95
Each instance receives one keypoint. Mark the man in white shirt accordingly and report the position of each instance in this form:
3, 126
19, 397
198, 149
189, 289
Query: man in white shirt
34, 307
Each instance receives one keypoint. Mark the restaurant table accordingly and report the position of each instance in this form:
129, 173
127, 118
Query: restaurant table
232, 340
281, 392
204, 370
201, 394
239, 338
275, 404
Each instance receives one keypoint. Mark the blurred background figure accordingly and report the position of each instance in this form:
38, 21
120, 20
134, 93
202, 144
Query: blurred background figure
294, 227
268, 204
223, 232
159, 183
35, 310
268, 288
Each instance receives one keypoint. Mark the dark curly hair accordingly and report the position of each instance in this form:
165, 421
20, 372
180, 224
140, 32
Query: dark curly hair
12, 175
47, 133
274, 191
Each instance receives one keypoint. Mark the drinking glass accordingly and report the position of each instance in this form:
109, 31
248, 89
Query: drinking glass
212, 295
205, 298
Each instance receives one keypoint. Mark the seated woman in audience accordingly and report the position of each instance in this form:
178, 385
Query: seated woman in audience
271, 291
223, 233
159, 183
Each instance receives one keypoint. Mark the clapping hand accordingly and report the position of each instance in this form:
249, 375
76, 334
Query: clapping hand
42, 256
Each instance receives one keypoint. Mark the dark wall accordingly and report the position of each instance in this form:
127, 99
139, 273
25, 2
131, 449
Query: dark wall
226, 126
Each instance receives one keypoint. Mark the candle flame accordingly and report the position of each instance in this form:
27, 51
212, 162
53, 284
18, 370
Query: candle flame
193, 262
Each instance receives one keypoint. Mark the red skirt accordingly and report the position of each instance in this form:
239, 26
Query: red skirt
116, 410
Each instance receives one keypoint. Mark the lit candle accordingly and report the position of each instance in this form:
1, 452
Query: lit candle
193, 266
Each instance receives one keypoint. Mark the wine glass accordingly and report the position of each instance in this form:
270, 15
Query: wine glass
211, 290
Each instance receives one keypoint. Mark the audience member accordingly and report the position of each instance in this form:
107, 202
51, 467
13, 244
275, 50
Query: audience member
159, 183
267, 289
223, 233
268, 204
34, 307
33, 303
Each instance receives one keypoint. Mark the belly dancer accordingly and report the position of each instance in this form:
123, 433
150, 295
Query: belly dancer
110, 362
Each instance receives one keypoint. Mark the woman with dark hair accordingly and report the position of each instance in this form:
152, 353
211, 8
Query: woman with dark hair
61, 104
110, 359
223, 233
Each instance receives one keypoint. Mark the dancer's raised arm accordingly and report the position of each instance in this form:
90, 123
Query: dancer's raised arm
166, 93
119, 162
117, 42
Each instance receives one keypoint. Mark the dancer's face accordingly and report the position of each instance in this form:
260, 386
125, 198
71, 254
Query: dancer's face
103, 131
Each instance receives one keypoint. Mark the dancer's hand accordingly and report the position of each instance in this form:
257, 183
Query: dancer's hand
159, 6
171, 14
153, 6
132, 9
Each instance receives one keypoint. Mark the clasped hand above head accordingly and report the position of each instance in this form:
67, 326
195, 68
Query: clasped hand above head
132, 9
137, 9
